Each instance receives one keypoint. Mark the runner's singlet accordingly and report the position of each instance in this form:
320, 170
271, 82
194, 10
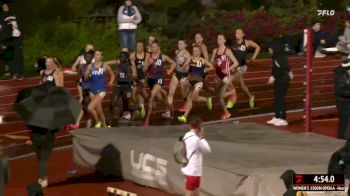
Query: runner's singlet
139, 66
98, 78
48, 79
155, 70
240, 51
222, 63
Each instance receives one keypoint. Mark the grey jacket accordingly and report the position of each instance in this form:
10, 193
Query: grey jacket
128, 22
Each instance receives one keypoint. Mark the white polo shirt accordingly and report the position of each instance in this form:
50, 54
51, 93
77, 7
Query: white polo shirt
195, 147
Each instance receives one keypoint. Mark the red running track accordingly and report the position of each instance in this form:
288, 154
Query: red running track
22, 175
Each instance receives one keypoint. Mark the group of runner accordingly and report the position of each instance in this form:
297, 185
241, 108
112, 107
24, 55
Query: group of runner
145, 68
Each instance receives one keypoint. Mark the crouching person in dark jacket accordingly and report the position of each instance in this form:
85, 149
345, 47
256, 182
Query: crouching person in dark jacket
43, 143
342, 94
280, 77
4, 173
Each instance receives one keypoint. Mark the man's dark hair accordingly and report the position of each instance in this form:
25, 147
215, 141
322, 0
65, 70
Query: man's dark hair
315, 22
195, 121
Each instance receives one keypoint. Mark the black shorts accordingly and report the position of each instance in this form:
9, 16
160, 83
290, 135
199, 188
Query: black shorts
152, 82
205, 74
180, 75
124, 90
140, 75
194, 82
86, 99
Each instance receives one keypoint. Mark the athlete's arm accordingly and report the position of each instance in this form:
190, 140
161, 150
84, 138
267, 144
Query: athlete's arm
213, 56
171, 62
133, 69
87, 72
205, 52
188, 60
148, 62
58, 75
232, 58
111, 62
41, 73
209, 65
110, 72
76, 63
251, 43
132, 56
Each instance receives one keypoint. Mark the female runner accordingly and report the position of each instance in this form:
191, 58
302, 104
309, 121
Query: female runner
97, 72
182, 58
154, 67
225, 65
197, 66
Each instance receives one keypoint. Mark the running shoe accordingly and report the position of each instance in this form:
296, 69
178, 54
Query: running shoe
146, 123
232, 101
88, 123
98, 125
225, 116
29, 142
251, 101
109, 126
210, 103
182, 109
280, 122
73, 126
273, 121
167, 114
142, 111
127, 116
182, 118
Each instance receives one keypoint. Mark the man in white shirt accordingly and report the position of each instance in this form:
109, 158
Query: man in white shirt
195, 145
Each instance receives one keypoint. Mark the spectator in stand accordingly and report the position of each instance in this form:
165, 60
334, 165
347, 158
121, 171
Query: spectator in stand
13, 42
343, 44
128, 18
320, 39
195, 145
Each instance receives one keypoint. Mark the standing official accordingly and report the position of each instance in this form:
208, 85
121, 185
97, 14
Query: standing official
280, 78
342, 93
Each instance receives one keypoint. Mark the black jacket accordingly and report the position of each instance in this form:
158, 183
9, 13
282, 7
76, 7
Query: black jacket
280, 64
342, 82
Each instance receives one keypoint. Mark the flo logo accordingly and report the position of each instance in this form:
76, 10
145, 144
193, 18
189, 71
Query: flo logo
325, 12
149, 167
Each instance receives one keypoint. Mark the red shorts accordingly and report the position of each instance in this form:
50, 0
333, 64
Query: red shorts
192, 182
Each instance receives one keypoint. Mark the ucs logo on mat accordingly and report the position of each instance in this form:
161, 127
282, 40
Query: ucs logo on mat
149, 167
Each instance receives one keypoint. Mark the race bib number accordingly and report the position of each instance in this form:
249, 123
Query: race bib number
243, 48
158, 62
100, 71
128, 94
122, 75
49, 78
199, 64
160, 81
